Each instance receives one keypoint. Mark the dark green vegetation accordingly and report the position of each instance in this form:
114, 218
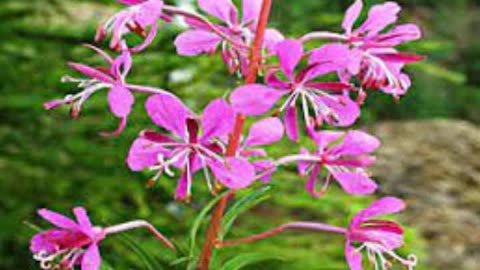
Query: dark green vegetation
48, 160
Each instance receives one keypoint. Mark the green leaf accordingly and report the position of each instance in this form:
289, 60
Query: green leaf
246, 203
198, 222
148, 260
247, 259
105, 266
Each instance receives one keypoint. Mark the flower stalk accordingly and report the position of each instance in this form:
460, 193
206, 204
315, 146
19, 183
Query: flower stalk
234, 141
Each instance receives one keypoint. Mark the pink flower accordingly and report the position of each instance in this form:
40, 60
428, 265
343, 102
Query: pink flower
377, 237
329, 101
120, 98
195, 144
140, 15
344, 155
234, 36
369, 50
74, 243
262, 133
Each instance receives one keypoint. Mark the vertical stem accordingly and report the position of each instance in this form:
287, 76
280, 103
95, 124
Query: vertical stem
219, 210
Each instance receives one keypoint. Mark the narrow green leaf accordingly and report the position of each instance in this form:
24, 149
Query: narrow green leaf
148, 260
246, 203
198, 222
105, 266
247, 259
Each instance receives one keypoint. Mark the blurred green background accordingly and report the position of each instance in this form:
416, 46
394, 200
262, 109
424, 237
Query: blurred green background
48, 160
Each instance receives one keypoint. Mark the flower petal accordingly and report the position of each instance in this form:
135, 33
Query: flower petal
265, 132
355, 183
251, 11
225, 10
91, 259
235, 173
291, 123
254, 99
261, 166
400, 34
91, 72
58, 220
194, 42
344, 112
272, 38
353, 257
82, 217
356, 143
379, 17
168, 112
352, 14
144, 154
386, 205
120, 101
183, 188
289, 52
217, 119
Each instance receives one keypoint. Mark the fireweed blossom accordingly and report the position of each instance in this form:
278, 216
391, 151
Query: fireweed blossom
344, 155
236, 35
136, 18
379, 238
113, 78
369, 49
187, 148
262, 133
74, 243
329, 101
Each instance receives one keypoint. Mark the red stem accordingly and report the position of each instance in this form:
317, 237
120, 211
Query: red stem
217, 215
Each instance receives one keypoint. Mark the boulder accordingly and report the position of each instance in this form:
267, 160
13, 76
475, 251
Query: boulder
435, 166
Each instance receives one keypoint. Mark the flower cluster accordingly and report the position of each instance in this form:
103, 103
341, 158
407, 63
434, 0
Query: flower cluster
303, 92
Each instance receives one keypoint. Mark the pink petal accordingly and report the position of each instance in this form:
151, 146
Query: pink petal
152, 33
91, 72
291, 123
330, 57
346, 111
289, 52
251, 11
261, 166
355, 183
149, 12
58, 220
225, 10
265, 132
324, 138
254, 99
82, 217
302, 165
352, 14
194, 42
41, 241
183, 188
131, 2
144, 154
386, 205
353, 257
379, 17
400, 58
120, 101
235, 173
356, 143
272, 38
400, 34
91, 259
168, 112
311, 185
272, 80
217, 119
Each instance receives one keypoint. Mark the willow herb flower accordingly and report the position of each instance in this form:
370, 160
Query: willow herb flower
74, 243
113, 78
370, 51
344, 156
136, 18
262, 133
234, 35
329, 101
194, 144
379, 238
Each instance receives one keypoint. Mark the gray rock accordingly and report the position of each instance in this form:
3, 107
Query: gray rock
435, 166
